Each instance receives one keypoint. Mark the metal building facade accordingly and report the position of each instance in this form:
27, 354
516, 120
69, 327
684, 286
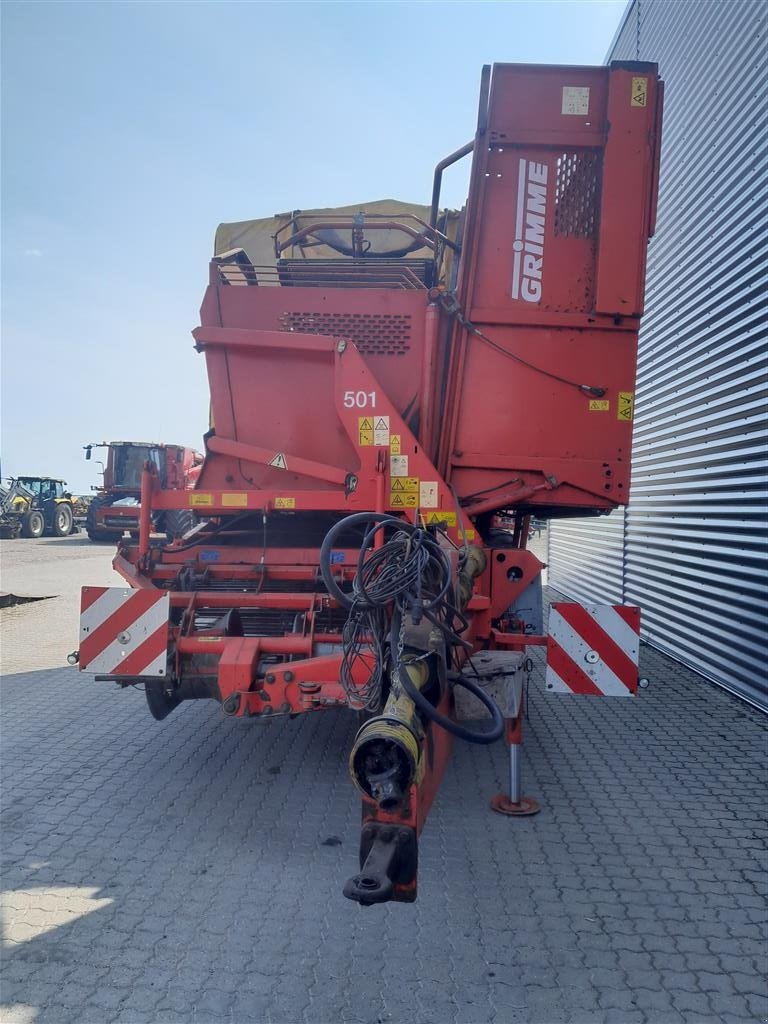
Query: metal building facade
692, 548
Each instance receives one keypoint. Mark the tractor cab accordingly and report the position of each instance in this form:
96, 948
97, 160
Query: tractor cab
44, 488
125, 461
128, 462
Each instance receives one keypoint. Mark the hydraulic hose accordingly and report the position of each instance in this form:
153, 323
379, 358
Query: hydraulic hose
391, 578
345, 600
399, 584
430, 711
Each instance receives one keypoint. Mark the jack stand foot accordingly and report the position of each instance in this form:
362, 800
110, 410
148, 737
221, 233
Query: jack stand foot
525, 808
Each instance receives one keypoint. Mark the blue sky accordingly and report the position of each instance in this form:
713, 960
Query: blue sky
132, 129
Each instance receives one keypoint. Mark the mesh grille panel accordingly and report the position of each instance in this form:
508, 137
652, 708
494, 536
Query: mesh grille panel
276, 621
375, 334
577, 194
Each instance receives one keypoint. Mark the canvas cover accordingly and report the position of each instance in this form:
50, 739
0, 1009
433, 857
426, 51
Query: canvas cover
256, 237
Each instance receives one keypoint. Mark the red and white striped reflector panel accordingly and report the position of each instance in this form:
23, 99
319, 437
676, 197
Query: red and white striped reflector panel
593, 649
124, 632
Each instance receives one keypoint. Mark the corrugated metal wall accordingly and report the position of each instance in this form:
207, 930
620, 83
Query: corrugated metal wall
586, 557
693, 546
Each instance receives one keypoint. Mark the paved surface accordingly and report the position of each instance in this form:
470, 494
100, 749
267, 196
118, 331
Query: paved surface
42, 634
190, 871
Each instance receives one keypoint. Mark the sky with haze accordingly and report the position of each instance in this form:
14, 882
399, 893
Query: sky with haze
130, 130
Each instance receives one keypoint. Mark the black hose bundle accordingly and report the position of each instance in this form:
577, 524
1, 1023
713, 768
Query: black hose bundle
408, 574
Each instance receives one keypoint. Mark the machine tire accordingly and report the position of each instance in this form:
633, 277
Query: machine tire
94, 531
178, 522
63, 519
33, 524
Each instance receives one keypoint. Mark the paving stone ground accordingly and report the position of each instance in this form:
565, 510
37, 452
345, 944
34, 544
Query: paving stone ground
189, 871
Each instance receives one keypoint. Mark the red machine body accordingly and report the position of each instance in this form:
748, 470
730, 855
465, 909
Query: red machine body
444, 387
562, 199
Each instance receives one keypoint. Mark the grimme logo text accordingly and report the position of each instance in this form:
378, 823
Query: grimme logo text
528, 248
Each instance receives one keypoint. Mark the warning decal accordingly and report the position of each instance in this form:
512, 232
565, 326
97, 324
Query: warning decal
365, 430
394, 444
234, 500
626, 407
285, 503
428, 494
449, 518
599, 405
403, 499
196, 500
398, 465
639, 92
405, 484
575, 99
279, 461
381, 430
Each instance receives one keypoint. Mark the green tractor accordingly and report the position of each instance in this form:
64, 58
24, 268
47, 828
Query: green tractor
35, 505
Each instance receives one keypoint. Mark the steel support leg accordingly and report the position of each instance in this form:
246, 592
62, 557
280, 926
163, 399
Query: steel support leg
515, 804
514, 773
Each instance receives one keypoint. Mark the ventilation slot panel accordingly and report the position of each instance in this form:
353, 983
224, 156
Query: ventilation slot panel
375, 334
577, 194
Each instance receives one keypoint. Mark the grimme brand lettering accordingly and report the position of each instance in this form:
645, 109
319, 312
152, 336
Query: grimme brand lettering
530, 218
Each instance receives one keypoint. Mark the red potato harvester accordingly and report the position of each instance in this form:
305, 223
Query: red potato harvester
393, 396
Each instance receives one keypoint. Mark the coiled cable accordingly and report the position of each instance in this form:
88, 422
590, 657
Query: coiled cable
408, 573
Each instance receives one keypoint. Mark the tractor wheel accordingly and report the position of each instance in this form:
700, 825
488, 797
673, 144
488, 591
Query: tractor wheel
92, 528
178, 522
63, 520
33, 524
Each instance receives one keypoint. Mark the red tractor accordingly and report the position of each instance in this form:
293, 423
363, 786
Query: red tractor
392, 404
115, 507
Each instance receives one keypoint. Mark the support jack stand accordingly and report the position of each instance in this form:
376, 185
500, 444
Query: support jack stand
515, 805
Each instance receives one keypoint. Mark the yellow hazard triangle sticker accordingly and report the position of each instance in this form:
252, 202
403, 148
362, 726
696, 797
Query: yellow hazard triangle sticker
279, 461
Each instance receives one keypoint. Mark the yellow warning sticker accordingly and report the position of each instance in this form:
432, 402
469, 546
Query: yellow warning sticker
278, 462
469, 535
404, 484
449, 518
639, 92
626, 407
394, 444
197, 500
285, 503
365, 430
403, 499
234, 500
599, 405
